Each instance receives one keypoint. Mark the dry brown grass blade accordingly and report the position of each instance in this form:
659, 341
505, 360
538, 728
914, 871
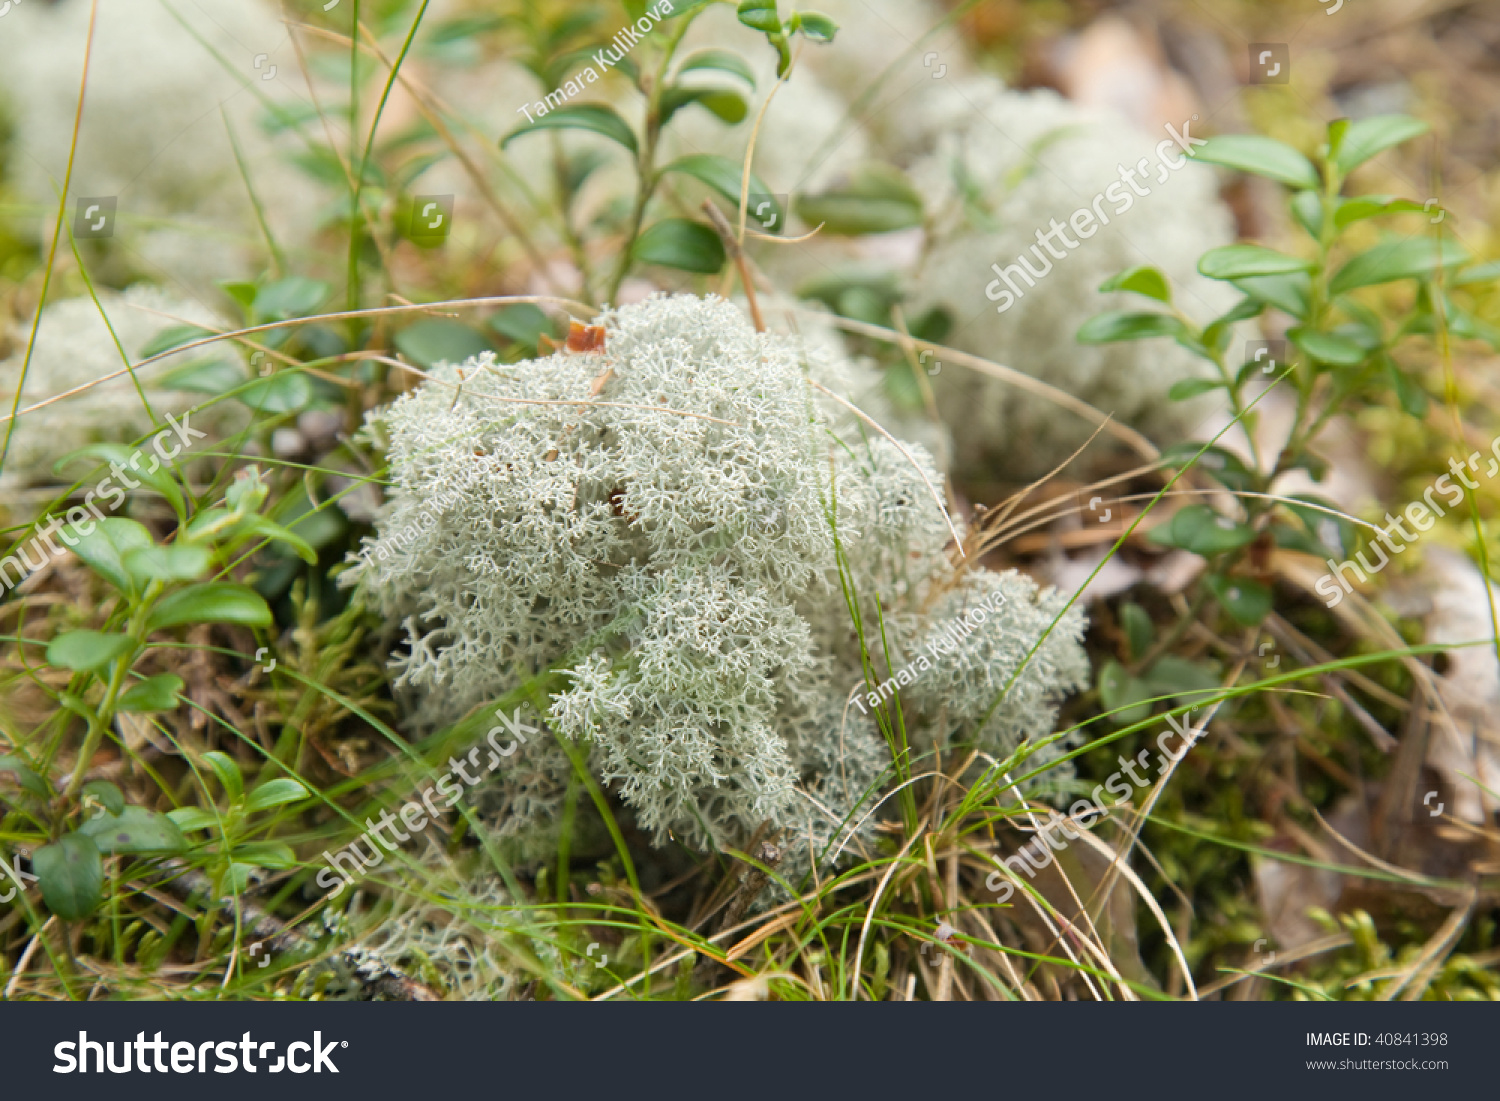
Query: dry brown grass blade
344, 315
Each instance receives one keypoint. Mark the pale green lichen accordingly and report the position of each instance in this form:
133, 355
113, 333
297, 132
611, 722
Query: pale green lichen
668, 535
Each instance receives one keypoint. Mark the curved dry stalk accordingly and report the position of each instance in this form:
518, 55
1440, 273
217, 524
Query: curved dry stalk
1151, 904
864, 930
343, 315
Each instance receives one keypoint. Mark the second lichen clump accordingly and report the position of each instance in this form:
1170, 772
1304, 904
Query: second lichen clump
661, 522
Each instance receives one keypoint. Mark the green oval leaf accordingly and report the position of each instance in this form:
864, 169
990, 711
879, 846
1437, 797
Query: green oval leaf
1369, 137
134, 830
679, 243
877, 199
1144, 280
267, 854
1246, 600
1186, 388
1290, 293
1202, 531
594, 117
759, 14
142, 465
228, 772
294, 296
211, 602
274, 793
104, 549
728, 105
437, 340
25, 775
1408, 259
106, 795
192, 818
1328, 347
177, 562
723, 175
1371, 206
278, 392
84, 650
816, 26
1260, 156
1242, 261
1117, 690
158, 693
1115, 325
72, 875
723, 60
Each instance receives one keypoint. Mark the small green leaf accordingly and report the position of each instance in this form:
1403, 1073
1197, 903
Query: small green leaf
176, 562
274, 793
723, 175
816, 26
437, 340
242, 293
1123, 694
1115, 325
294, 296
228, 772
71, 872
134, 830
1139, 630
1291, 293
158, 693
679, 243
1371, 206
729, 106
267, 854
1246, 600
1402, 259
1144, 280
522, 323
193, 818
210, 375
278, 392
211, 602
25, 776
1328, 347
1186, 388
173, 337
1371, 136
1480, 273
269, 529
723, 60
1202, 531
1409, 393
142, 464
1260, 156
104, 548
877, 199
594, 117
1307, 208
760, 15
1243, 261
106, 795
1225, 466
1186, 681
84, 650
